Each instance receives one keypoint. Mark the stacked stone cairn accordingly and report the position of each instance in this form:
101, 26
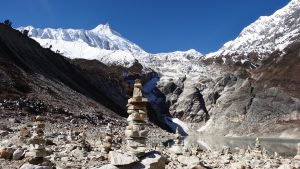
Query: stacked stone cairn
38, 141
177, 147
71, 135
106, 147
135, 132
38, 147
83, 144
297, 157
257, 152
24, 134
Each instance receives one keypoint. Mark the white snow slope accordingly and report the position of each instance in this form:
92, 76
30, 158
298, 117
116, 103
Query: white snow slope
100, 43
266, 34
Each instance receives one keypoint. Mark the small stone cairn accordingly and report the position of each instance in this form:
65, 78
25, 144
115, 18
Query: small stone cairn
71, 135
24, 134
40, 157
135, 132
177, 147
297, 157
82, 142
257, 152
38, 141
107, 142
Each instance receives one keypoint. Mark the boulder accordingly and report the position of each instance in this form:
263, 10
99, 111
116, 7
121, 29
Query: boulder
285, 166
117, 158
6, 153
191, 160
196, 167
31, 166
3, 133
78, 153
107, 166
18, 154
153, 160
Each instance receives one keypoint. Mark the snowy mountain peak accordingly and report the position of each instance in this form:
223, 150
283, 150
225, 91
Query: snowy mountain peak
102, 37
266, 34
105, 30
102, 26
101, 43
194, 52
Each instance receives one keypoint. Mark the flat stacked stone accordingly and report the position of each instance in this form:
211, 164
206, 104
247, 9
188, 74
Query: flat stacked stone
135, 132
297, 157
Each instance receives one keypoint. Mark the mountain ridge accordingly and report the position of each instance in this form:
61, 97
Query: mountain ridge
209, 92
265, 35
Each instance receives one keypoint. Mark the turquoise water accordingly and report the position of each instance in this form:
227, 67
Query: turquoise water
284, 147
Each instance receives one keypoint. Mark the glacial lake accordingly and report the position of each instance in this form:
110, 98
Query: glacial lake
284, 147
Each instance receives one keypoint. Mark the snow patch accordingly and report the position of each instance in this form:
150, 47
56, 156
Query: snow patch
175, 122
206, 126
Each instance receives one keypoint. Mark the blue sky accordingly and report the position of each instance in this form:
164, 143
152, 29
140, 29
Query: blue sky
155, 25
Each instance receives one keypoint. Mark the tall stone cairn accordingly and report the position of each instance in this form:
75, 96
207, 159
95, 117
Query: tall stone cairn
297, 157
135, 132
38, 141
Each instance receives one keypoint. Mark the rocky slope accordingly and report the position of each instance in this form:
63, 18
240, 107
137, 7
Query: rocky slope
264, 103
30, 71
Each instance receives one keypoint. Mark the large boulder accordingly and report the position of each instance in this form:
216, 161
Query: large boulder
152, 160
18, 154
192, 160
107, 166
6, 153
31, 166
120, 159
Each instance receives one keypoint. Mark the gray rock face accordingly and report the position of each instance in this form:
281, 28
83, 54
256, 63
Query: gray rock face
234, 100
242, 109
119, 159
184, 99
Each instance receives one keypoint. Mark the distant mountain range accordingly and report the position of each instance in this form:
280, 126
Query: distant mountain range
248, 87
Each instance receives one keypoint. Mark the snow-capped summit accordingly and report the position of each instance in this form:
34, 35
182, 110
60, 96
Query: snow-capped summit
101, 43
105, 30
102, 28
267, 34
101, 36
